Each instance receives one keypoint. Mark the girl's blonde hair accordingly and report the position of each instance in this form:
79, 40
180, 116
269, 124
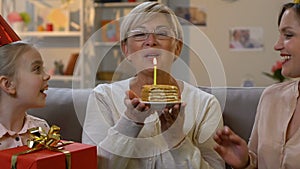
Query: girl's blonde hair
8, 56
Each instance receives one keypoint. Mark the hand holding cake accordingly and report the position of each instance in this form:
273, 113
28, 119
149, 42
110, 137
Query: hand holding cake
136, 110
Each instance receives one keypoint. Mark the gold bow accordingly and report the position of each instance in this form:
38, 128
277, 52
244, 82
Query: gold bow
296, 1
42, 140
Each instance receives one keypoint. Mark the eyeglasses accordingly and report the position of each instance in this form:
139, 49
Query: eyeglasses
162, 33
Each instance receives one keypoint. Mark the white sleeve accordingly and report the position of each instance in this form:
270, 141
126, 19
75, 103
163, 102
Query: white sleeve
196, 151
96, 123
112, 137
211, 122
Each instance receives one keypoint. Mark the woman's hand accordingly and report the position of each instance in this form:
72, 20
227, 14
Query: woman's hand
232, 148
136, 111
169, 116
172, 120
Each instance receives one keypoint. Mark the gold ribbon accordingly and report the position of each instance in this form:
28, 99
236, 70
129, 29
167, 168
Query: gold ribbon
42, 140
296, 1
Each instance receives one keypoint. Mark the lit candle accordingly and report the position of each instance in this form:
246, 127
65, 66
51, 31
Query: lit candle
154, 63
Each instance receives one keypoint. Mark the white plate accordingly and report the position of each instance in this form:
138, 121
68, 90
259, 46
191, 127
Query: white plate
160, 105
164, 103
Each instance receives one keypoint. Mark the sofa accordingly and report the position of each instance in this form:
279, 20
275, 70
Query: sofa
65, 107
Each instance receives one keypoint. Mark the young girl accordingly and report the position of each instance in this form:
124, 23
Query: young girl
22, 85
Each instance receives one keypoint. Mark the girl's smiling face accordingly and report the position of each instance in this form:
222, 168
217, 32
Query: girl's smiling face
30, 79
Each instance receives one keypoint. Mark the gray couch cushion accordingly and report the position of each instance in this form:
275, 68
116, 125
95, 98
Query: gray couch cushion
239, 107
60, 110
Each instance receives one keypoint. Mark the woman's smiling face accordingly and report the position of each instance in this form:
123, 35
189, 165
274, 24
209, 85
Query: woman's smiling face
288, 43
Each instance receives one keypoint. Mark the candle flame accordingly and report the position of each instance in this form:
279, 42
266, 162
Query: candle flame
154, 61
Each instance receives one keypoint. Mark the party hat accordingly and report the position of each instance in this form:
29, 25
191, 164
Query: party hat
7, 34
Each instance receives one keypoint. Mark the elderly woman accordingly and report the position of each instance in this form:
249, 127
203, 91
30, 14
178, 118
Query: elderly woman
131, 134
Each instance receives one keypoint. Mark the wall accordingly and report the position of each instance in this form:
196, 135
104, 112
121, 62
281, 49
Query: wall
51, 49
221, 16
238, 65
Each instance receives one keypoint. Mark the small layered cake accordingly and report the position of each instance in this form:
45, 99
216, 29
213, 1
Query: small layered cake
160, 93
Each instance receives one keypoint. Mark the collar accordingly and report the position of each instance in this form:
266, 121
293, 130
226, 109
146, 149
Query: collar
26, 126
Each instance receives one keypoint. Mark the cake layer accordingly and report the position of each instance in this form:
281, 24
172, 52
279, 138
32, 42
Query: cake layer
160, 93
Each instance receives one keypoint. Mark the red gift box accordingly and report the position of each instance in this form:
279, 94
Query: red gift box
83, 156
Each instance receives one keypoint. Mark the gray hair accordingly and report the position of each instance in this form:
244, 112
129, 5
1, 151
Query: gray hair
144, 12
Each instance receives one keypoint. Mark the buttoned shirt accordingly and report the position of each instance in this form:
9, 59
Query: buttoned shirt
268, 144
10, 139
